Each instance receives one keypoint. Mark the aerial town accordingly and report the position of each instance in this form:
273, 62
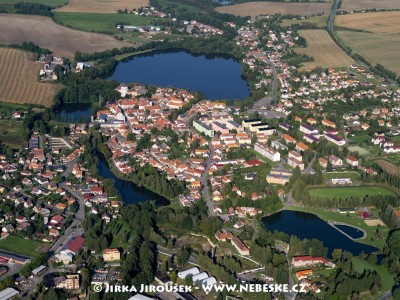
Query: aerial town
144, 184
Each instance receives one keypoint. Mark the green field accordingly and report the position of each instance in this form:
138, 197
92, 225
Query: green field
387, 278
345, 192
19, 245
11, 133
316, 21
352, 175
374, 47
104, 23
8, 5
351, 219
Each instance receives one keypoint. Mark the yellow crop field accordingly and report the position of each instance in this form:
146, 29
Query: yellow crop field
375, 36
254, 9
377, 22
101, 6
18, 79
357, 5
323, 49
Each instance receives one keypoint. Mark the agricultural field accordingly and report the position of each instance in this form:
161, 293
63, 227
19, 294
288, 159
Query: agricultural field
316, 21
103, 23
376, 22
19, 245
375, 36
357, 5
101, 6
345, 192
323, 49
19, 79
8, 5
44, 32
254, 9
388, 166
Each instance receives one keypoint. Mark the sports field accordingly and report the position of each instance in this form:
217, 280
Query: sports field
43, 31
349, 5
19, 79
345, 192
19, 245
101, 6
375, 36
254, 9
104, 23
323, 49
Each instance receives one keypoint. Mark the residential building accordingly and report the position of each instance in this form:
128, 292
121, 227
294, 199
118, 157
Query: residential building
69, 282
203, 128
111, 254
267, 152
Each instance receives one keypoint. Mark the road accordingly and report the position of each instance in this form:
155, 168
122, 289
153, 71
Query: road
275, 80
204, 183
69, 232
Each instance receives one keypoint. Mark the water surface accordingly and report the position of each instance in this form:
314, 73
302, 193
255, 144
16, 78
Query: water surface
217, 76
306, 225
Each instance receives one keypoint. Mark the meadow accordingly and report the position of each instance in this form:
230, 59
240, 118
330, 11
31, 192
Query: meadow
44, 32
254, 9
99, 22
323, 49
19, 79
8, 5
316, 21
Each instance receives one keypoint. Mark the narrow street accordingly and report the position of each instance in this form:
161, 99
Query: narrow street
72, 231
204, 183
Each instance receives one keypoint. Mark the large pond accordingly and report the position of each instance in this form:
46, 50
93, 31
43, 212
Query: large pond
351, 231
75, 112
131, 193
217, 76
306, 225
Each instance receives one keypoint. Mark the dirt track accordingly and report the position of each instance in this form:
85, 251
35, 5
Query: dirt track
44, 32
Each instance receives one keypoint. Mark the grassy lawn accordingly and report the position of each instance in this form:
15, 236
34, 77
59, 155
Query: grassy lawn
352, 175
352, 191
11, 133
104, 22
387, 277
19, 245
350, 219
362, 138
